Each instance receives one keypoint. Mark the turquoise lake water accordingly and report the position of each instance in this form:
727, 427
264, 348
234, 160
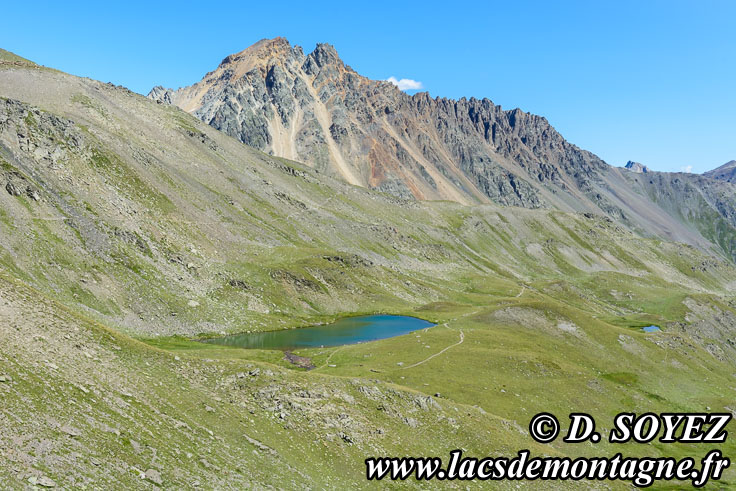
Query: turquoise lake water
349, 330
651, 329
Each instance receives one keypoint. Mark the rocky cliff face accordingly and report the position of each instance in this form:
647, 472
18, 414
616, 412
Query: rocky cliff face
314, 108
636, 167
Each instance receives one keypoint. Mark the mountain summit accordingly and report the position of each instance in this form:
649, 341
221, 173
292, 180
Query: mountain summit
726, 172
315, 109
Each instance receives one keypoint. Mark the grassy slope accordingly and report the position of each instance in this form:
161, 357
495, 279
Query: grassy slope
7, 56
98, 409
155, 225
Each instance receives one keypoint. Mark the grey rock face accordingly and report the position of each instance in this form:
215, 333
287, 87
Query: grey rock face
705, 204
43, 481
12, 189
636, 167
161, 94
154, 476
314, 108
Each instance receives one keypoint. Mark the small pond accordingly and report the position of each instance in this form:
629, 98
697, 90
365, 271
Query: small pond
651, 329
349, 330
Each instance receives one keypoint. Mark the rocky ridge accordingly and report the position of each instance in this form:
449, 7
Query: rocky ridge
315, 109
726, 172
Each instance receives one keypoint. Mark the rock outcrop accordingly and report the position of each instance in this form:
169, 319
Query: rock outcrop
636, 167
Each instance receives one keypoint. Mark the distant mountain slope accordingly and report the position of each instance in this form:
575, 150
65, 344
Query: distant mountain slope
127, 197
700, 205
726, 172
315, 109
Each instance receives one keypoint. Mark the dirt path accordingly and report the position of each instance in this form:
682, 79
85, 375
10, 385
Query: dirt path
462, 338
327, 361
445, 324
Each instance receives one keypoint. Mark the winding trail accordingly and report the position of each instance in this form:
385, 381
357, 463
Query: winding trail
327, 361
444, 324
462, 338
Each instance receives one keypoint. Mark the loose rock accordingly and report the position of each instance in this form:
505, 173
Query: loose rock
154, 476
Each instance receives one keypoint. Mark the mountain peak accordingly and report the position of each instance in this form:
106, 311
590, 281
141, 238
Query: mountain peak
726, 172
269, 51
325, 54
318, 110
324, 60
263, 50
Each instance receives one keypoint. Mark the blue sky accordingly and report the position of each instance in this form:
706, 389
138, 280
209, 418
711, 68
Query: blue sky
647, 80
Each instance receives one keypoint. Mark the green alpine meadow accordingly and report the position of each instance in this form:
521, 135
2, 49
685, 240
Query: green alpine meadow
286, 191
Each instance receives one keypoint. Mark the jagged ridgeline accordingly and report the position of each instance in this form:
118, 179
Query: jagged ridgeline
315, 109
129, 230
